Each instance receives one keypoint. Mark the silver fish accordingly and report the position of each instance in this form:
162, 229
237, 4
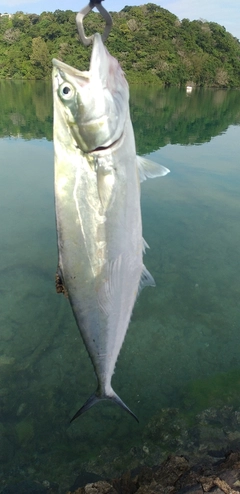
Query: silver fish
97, 196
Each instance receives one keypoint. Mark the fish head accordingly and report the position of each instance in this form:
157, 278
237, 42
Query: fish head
93, 103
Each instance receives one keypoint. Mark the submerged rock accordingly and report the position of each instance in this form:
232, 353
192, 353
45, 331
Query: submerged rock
85, 478
100, 487
176, 475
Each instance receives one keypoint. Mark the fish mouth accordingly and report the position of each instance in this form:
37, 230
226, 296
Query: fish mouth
105, 149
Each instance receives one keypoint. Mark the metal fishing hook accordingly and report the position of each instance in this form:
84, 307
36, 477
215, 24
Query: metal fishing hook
87, 40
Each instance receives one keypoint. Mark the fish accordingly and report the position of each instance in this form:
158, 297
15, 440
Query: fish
97, 203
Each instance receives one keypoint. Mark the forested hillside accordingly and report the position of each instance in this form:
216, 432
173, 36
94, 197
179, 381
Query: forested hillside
150, 42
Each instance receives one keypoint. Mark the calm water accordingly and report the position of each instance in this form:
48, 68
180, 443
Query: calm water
179, 369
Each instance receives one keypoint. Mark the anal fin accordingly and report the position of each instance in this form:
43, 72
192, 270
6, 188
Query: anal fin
146, 280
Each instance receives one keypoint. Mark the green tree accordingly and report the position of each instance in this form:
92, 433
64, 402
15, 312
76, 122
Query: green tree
11, 35
40, 57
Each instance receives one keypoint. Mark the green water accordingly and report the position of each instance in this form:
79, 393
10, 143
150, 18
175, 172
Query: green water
180, 362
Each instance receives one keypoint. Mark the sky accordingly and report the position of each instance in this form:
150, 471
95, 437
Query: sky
224, 12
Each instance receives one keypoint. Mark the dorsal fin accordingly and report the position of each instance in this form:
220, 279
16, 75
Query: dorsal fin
149, 169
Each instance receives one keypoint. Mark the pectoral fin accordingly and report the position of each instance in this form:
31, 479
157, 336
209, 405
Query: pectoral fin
149, 169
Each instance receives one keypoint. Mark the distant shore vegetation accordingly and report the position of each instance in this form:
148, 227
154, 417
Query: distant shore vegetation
152, 45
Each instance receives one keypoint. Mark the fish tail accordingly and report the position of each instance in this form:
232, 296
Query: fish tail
96, 397
116, 399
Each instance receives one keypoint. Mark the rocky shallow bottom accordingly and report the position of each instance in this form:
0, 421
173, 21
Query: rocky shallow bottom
176, 475
177, 454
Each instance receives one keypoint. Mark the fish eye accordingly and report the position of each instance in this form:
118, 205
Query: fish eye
66, 91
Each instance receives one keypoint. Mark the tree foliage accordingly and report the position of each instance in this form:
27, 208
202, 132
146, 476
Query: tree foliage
150, 42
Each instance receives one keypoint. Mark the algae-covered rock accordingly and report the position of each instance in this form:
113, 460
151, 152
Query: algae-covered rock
6, 360
215, 391
168, 429
176, 475
24, 431
100, 487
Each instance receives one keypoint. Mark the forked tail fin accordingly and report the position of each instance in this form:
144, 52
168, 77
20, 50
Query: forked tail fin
95, 398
